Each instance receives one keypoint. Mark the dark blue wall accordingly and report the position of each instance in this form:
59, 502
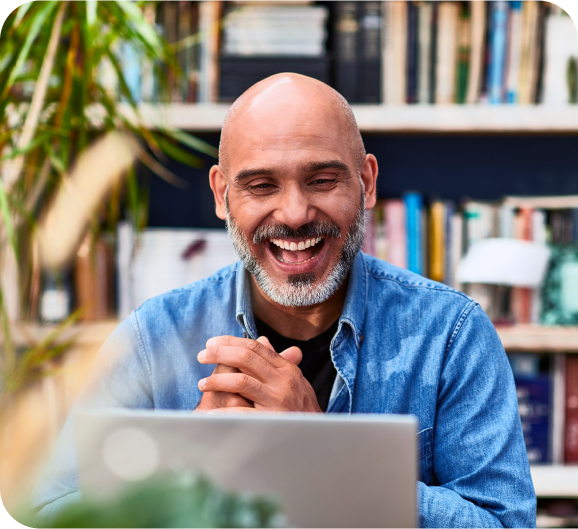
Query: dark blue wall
449, 166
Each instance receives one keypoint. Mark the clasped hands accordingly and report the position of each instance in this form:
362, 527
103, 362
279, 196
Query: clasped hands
251, 376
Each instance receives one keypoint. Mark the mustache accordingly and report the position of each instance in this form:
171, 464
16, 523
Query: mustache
320, 228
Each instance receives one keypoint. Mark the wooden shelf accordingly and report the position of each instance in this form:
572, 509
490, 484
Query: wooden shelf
555, 481
209, 117
534, 338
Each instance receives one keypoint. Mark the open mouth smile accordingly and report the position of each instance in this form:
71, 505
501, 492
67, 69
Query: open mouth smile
296, 252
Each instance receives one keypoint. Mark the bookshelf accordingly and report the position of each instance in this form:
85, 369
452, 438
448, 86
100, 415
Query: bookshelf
538, 119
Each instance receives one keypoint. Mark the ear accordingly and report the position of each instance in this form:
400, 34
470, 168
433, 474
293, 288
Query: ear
218, 182
369, 178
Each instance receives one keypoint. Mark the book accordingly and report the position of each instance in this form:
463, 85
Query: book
514, 55
437, 241
571, 412
396, 232
446, 67
464, 39
412, 53
477, 45
498, 50
533, 381
413, 209
237, 74
528, 51
370, 25
346, 37
209, 15
425, 36
395, 53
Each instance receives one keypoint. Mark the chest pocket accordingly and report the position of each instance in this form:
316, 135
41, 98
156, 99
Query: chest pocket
425, 455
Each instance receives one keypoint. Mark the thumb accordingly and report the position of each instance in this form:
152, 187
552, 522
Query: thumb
265, 341
293, 354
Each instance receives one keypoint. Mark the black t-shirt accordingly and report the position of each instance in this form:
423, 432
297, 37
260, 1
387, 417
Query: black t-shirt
316, 366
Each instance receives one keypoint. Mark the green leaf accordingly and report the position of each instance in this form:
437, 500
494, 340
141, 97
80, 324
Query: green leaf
39, 140
142, 29
192, 141
37, 25
178, 154
5, 210
91, 12
22, 10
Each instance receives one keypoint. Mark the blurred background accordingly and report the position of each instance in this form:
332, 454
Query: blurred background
110, 120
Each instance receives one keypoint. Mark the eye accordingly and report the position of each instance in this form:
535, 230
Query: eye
323, 182
261, 189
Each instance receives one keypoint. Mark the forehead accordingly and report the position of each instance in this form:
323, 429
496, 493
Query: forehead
293, 129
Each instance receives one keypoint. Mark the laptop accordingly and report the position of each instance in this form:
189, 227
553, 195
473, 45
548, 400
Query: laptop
327, 470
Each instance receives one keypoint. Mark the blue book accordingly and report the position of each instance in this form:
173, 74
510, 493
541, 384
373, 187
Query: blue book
413, 208
534, 391
498, 50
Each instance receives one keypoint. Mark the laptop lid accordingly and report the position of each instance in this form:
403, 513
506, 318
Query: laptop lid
327, 470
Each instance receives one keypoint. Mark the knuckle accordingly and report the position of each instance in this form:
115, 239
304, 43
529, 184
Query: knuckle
236, 401
245, 355
243, 381
253, 345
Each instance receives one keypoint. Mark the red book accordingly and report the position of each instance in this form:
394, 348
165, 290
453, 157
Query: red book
571, 418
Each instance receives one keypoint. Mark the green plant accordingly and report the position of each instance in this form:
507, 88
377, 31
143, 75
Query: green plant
170, 500
53, 106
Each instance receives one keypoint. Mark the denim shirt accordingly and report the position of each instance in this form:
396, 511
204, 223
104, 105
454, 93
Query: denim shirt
404, 344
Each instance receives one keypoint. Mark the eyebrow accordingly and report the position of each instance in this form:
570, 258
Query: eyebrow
311, 167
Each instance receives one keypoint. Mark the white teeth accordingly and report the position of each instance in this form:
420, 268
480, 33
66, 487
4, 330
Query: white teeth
293, 246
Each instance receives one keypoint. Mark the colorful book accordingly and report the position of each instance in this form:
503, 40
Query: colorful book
571, 415
498, 50
437, 241
514, 52
534, 391
477, 45
413, 210
464, 42
396, 232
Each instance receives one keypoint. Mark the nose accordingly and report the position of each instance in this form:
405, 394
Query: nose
294, 208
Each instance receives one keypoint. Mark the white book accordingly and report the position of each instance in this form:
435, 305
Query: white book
478, 30
446, 68
158, 264
558, 408
395, 53
424, 42
456, 248
561, 46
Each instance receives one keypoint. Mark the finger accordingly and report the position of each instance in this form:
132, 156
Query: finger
240, 383
253, 345
293, 354
265, 341
237, 359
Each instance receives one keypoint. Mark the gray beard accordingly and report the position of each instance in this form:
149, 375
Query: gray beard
301, 290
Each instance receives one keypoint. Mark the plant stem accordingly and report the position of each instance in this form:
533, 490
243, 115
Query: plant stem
13, 169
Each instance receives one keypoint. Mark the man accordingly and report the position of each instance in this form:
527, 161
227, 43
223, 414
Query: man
305, 322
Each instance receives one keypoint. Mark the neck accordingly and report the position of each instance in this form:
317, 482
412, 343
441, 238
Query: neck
299, 323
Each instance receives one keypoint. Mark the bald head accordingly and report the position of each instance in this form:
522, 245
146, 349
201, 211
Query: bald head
290, 100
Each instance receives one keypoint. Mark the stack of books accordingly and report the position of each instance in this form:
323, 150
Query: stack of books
261, 40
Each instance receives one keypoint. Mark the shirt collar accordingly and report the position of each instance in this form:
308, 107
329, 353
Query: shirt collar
353, 313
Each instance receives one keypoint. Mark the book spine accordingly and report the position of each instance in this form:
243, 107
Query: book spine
396, 232
464, 42
413, 206
412, 52
346, 50
370, 33
433, 53
437, 241
478, 30
571, 417
514, 52
446, 67
498, 52
424, 53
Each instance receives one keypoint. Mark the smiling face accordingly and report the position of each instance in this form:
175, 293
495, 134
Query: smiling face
290, 187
